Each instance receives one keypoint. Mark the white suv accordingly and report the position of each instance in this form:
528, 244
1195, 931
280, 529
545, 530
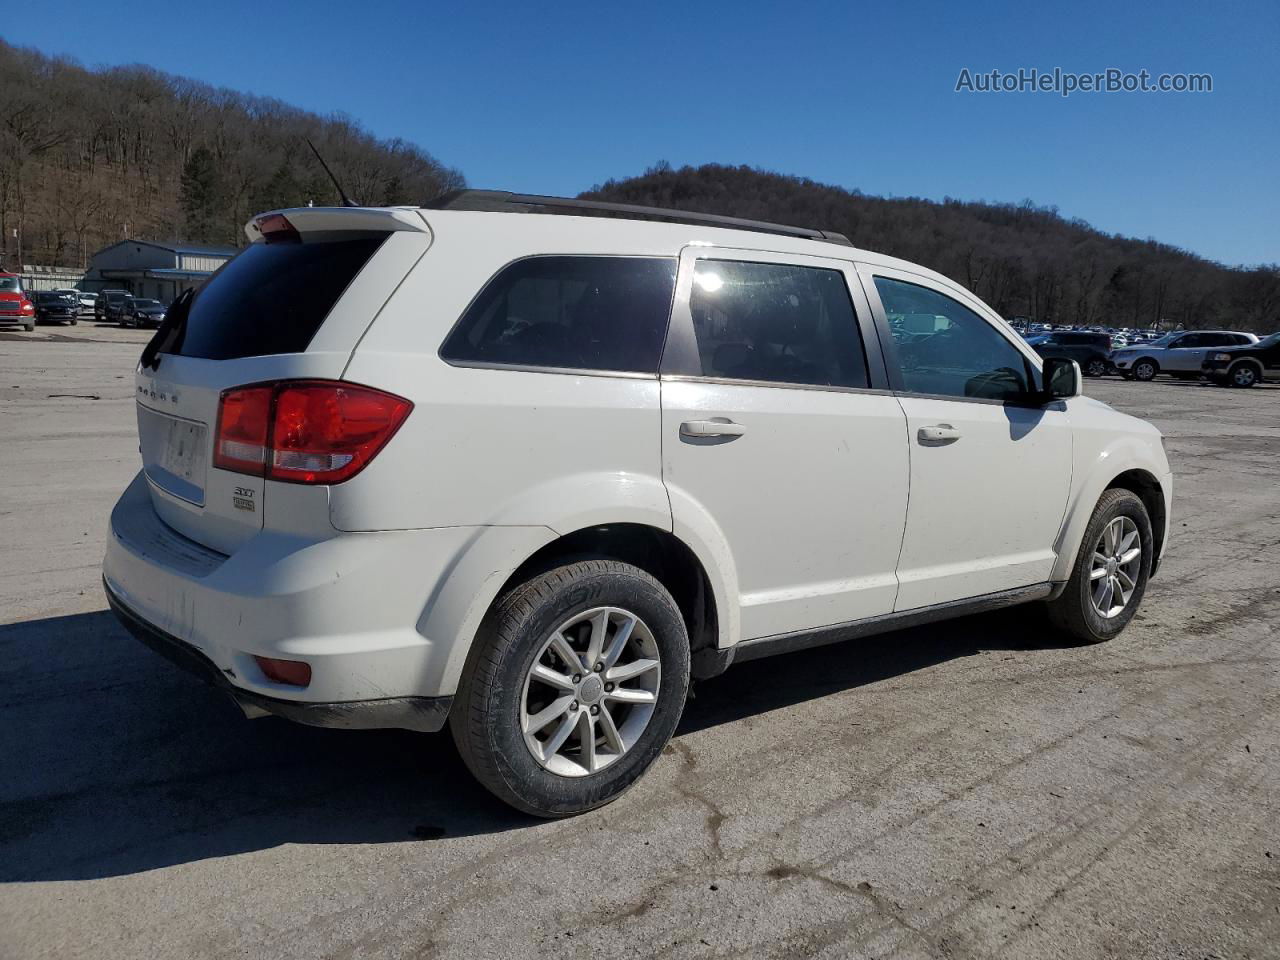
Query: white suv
527, 474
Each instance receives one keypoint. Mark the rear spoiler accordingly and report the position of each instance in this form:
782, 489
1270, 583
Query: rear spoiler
315, 219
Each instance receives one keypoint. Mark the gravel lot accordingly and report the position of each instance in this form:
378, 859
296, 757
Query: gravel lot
963, 790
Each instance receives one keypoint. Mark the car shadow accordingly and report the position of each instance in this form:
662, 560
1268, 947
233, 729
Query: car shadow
117, 763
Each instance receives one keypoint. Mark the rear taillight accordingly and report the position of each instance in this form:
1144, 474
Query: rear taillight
305, 431
244, 420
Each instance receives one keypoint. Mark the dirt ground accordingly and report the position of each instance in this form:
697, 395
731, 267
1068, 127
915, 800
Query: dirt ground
964, 790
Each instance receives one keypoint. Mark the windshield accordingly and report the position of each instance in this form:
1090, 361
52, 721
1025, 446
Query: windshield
9, 285
146, 303
1270, 341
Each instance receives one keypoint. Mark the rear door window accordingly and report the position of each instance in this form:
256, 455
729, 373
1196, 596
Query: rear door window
579, 313
776, 323
272, 297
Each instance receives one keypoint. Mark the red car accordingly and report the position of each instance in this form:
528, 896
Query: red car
15, 306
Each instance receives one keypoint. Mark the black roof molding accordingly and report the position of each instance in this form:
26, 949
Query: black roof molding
502, 201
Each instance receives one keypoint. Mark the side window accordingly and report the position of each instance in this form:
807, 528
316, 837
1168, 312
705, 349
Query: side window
584, 313
1237, 339
1181, 342
1216, 340
945, 348
777, 323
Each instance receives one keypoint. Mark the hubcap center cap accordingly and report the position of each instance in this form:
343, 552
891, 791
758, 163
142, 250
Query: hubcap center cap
591, 689
1112, 566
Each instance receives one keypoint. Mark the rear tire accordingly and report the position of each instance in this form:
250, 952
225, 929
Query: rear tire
1076, 613
1145, 370
503, 688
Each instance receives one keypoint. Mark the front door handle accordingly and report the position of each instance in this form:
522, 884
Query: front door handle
711, 428
938, 435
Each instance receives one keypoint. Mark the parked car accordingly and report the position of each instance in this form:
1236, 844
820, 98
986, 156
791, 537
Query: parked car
110, 305
1091, 350
526, 475
87, 301
1244, 366
138, 312
1180, 354
52, 306
15, 306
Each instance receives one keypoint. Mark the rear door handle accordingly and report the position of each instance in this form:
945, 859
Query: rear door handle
938, 434
711, 428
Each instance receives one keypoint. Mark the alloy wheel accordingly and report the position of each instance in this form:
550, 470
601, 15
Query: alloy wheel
1244, 376
1116, 566
1096, 368
591, 691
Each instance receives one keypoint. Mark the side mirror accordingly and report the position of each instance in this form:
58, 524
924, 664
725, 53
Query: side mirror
1062, 379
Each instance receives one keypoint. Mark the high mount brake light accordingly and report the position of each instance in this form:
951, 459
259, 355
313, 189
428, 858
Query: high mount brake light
276, 228
304, 431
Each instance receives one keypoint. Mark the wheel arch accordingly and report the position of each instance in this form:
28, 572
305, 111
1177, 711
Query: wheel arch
658, 552
1149, 490
1248, 362
497, 558
1133, 469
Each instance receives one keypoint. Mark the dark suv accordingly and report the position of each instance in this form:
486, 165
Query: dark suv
111, 305
1244, 366
54, 307
1091, 350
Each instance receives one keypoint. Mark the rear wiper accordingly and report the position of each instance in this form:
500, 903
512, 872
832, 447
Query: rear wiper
170, 334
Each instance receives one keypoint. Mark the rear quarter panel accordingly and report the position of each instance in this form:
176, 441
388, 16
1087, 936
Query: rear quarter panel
498, 446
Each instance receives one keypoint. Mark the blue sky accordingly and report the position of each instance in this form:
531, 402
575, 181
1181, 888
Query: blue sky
553, 98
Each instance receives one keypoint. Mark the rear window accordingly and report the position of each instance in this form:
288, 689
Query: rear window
272, 297
582, 313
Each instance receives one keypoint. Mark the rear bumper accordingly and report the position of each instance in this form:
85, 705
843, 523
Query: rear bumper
427, 714
354, 606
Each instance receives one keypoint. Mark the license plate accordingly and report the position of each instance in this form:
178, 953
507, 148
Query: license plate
174, 453
183, 447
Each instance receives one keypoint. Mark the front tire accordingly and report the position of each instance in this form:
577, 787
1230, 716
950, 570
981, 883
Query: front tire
575, 683
1243, 375
1095, 368
1110, 575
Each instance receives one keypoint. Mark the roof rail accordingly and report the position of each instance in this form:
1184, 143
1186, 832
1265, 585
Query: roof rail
501, 201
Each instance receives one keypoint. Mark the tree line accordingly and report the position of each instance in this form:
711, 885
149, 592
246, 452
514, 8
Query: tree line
89, 157
1023, 260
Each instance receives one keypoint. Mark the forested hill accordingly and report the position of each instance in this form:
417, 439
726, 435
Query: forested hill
90, 156
1023, 260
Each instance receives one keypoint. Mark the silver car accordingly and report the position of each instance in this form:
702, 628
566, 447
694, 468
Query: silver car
1180, 353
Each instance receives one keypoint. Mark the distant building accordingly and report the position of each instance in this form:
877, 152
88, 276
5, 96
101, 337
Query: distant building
160, 271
